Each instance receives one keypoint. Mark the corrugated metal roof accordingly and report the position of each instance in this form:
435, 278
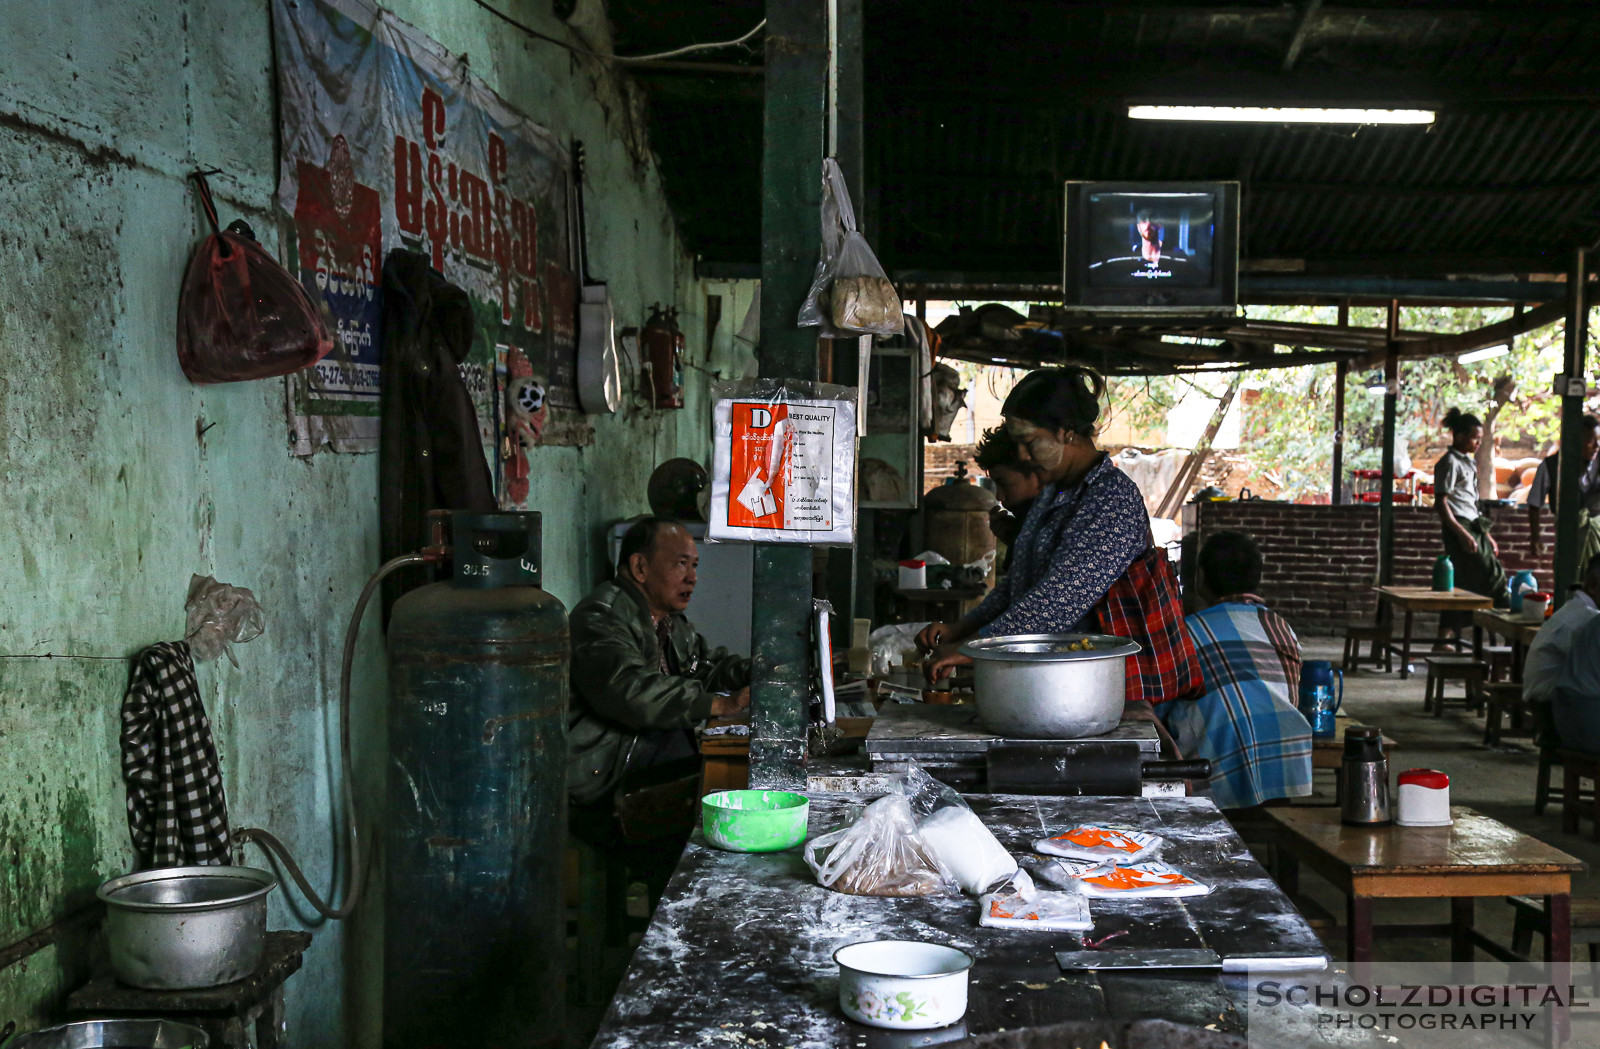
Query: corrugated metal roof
977, 112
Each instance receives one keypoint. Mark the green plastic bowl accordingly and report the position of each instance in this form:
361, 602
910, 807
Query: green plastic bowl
754, 820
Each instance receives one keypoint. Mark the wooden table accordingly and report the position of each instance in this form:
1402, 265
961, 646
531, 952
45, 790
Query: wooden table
748, 939
1414, 599
1476, 856
1520, 632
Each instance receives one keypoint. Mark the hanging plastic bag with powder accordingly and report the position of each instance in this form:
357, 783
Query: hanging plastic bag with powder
850, 294
783, 463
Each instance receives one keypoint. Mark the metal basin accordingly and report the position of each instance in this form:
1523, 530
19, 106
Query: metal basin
114, 1034
1035, 686
181, 928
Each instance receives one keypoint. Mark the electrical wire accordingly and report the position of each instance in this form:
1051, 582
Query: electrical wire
693, 48
619, 59
355, 866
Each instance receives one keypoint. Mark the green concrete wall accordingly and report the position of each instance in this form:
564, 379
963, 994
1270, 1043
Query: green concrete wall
121, 479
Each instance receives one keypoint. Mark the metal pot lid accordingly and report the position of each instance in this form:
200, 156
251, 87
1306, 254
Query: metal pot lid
169, 889
1049, 648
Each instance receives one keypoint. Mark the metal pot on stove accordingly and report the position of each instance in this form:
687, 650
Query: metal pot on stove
1050, 686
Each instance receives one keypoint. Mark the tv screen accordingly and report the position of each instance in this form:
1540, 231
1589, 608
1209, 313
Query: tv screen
1141, 240
1151, 245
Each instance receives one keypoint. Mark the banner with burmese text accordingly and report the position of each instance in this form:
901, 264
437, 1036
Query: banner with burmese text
388, 141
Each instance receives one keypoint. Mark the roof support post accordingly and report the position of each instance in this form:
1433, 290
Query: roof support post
1391, 399
1341, 376
1568, 542
1341, 373
794, 118
846, 115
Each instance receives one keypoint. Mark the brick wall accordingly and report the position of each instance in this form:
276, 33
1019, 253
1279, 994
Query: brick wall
1322, 561
939, 462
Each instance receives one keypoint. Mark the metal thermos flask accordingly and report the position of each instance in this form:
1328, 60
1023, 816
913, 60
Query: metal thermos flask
1319, 703
1364, 777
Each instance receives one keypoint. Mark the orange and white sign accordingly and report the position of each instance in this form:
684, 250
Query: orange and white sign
783, 471
1100, 843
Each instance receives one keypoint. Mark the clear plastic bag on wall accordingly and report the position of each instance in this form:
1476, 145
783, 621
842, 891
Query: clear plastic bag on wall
220, 616
783, 463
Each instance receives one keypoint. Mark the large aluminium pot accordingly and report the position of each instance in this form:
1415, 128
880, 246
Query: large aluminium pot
1039, 686
182, 928
114, 1034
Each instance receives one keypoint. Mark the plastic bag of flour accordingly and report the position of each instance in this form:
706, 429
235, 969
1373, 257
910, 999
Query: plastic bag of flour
783, 463
955, 835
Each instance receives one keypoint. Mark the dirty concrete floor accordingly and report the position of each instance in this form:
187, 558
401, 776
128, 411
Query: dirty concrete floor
1497, 781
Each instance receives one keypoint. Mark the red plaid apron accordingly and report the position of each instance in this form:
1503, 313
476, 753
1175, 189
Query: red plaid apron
1145, 604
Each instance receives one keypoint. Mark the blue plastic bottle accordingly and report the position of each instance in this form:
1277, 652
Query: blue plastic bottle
1318, 701
1520, 584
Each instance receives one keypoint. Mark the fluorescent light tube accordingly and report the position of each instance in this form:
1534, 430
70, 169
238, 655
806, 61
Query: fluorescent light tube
1281, 115
1485, 354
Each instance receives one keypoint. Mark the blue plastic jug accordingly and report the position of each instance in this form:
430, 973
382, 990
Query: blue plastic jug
1318, 701
1521, 583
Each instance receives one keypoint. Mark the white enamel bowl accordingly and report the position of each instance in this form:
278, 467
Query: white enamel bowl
906, 985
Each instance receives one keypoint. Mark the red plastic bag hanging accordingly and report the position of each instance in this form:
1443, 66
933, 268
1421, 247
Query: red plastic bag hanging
241, 315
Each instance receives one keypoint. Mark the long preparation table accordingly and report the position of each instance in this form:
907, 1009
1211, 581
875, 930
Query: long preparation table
740, 949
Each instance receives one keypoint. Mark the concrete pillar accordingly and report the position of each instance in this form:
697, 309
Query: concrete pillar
794, 123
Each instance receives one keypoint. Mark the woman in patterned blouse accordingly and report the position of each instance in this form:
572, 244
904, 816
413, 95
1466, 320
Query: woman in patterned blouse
1084, 560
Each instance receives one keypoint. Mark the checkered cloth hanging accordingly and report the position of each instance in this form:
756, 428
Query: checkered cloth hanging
177, 814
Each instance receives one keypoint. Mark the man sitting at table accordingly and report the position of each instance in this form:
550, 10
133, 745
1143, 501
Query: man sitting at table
1575, 703
1246, 724
642, 679
1548, 653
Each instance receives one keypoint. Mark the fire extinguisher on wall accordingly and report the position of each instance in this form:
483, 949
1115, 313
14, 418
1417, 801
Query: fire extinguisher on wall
661, 347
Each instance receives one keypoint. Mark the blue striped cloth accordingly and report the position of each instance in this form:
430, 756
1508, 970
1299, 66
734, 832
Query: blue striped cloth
1258, 743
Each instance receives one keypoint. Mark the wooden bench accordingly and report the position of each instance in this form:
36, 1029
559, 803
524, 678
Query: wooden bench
1501, 659
1465, 669
1379, 635
1576, 766
1531, 919
1501, 699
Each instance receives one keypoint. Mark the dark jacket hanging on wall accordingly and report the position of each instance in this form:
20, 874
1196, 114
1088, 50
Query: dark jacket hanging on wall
430, 454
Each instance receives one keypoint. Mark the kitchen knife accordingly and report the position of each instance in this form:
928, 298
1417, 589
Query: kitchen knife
1135, 958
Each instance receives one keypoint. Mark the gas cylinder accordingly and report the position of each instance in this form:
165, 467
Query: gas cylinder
476, 802
956, 519
661, 346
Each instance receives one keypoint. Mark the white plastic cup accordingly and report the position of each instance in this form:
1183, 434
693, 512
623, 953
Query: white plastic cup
1534, 606
1424, 799
913, 575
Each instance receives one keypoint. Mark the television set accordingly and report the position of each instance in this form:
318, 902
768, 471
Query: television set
1136, 246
